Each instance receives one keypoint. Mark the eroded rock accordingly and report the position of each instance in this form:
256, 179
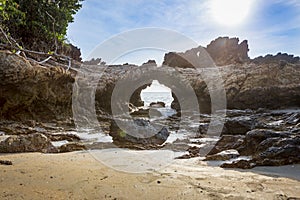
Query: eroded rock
27, 143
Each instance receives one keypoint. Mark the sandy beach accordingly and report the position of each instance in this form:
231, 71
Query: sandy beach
78, 175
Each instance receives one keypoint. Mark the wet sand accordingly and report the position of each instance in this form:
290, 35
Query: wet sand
78, 175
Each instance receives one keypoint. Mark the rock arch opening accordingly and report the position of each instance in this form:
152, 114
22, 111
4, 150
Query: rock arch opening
157, 95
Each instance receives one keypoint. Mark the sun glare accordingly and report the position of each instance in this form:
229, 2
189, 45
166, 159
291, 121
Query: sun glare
230, 12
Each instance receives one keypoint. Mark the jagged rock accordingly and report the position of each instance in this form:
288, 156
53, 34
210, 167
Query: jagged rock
238, 125
227, 142
273, 156
225, 51
174, 59
293, 119
255, 137
223, 155
30, 91
27, 143
149, 63
282, 58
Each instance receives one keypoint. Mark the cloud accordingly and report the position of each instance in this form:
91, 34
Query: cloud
272, 26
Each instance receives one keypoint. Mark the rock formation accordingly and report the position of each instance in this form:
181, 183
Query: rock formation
225, 51
30, 91
30, 94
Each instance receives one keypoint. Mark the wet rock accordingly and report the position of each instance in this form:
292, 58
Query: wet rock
27, 143
238, 113
227, 142
243, 164
223, 155
273, 156
254, 138
203, 127
238, 125
72, 146
293, 119
122, 139
154, 113
141, 122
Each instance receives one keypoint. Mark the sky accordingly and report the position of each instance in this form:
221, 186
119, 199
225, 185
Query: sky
270, 26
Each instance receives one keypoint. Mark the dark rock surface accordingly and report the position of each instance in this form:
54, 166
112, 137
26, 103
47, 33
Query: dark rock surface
223, 155
122, 139
277, 143
5, 162
238, 125
227, 142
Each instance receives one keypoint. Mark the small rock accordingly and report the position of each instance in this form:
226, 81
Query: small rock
158, 104
73, 146
5, 162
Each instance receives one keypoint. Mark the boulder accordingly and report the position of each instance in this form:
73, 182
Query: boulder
238, 125
27, 143
122, 139
254, 139
227, 142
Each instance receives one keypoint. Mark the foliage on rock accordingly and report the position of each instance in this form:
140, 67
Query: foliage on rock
38, 24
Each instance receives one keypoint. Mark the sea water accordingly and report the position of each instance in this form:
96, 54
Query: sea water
166, 97
149, 97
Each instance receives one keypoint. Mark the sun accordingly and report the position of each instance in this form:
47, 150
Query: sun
230, 12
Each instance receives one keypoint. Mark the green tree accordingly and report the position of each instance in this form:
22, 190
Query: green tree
38, 24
